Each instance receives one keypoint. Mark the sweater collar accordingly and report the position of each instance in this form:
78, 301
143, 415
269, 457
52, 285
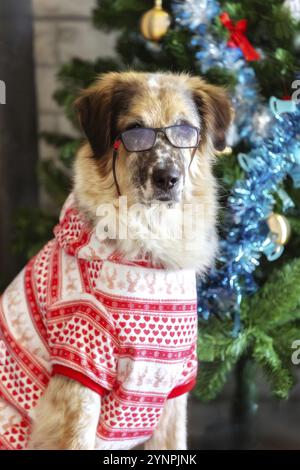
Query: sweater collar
77, 237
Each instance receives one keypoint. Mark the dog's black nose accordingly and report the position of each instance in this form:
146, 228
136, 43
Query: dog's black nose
165, 178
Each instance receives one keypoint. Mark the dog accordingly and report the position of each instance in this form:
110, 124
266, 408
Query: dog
98, 335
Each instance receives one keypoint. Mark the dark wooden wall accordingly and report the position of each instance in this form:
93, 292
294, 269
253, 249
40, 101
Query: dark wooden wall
18, 130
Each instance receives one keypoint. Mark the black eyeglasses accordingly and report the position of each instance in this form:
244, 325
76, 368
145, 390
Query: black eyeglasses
140, 139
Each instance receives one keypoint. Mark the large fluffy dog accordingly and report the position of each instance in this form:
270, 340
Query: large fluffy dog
98, 337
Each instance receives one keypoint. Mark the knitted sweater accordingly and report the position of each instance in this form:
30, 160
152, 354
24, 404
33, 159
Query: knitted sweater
125, 330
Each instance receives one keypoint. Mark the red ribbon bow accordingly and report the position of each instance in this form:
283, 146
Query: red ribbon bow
237, 37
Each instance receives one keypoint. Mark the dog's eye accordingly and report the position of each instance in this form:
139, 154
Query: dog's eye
183, 122
133, 125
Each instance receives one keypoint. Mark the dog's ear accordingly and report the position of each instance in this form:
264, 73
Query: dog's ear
214, 109
98, 108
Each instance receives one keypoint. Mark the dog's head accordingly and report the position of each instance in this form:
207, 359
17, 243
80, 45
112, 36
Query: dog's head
118, 102
164, 173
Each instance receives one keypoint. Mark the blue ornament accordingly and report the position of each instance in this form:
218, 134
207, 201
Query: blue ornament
278, 106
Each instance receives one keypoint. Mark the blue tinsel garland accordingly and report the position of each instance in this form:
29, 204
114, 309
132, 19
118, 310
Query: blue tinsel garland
252, 118
275, 154
246, 235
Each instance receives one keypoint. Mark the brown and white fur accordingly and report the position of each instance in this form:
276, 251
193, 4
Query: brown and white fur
67, 415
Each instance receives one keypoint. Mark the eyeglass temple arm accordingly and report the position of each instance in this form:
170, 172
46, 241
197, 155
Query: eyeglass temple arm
117, 144
192, 156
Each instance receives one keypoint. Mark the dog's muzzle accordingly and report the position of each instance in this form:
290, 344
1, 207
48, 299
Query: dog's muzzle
166, 183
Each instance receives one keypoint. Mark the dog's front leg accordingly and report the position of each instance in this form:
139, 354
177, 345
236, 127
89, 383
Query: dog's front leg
66, 417
171, 433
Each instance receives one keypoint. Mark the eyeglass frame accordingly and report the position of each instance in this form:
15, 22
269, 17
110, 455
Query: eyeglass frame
163, 130
119, 140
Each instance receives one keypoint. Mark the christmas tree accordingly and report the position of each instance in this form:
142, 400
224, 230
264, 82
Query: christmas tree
249, 307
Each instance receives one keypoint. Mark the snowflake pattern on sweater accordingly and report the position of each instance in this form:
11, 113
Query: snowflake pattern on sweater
126, 330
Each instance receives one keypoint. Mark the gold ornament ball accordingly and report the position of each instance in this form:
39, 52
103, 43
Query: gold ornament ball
279, 225
155, 23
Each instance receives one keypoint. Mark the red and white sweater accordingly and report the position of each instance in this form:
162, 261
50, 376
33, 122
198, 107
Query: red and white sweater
125, 330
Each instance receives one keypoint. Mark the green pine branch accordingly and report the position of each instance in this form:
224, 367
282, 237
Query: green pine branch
34, 225
212, 377
66, 145
278, 298
284, 337
55, 181
119, 14
272, 28
279, 375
